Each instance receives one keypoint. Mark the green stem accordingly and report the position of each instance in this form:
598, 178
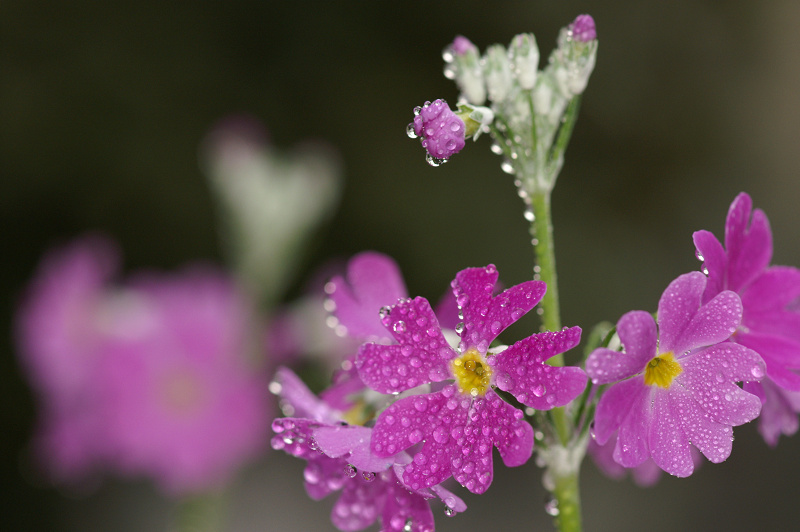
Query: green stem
542, 232
563, 467
201, 513
567, 493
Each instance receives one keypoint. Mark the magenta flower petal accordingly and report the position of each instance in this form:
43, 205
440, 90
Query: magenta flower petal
430, 466
714, 440
357, 507
638, 333
711, 252
303, 402
421, 356
780, 356
769, 303
520, 370
709, 377
515, 445
677, 306
714, 322
749, 248
778, 412
632, 447
407, 421
351, 441
669, 445
485, 316
400, 507
373, 281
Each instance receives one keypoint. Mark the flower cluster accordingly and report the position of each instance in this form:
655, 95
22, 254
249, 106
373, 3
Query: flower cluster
528, 115
441, 411
675, 382
141, 378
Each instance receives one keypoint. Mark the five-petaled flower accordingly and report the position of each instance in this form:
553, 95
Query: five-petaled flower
771, 317
677, 380
459, 422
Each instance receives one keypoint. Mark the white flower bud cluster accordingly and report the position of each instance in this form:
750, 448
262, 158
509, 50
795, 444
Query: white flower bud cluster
529, 104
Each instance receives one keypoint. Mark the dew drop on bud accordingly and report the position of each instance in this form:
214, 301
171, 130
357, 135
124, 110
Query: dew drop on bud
434, 161
449, 512
412, 134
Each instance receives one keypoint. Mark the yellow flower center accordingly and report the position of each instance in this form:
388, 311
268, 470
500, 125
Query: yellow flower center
472, 373
662, 370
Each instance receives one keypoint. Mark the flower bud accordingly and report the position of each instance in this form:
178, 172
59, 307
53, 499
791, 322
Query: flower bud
497, 69
524, 55
462, 64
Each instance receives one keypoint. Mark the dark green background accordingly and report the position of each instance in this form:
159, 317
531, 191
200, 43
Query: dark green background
103, 105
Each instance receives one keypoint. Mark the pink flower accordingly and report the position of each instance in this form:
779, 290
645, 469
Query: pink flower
675, 383
460, 423
183, 404
771, 319
144, 378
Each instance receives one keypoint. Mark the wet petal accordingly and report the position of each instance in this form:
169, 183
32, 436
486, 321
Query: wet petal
669, 445
715, 262
710, 376
521, 370
485, 316
712, 323
749, 248
678, 304
615, 404
373, 281
422, 355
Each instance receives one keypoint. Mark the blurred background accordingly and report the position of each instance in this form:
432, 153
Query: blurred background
103, 108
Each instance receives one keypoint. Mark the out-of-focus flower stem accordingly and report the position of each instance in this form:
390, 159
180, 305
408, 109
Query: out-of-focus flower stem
201, 513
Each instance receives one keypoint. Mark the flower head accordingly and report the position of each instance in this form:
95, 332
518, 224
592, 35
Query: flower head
459, 423
675, 383
170, 388
141, 378
441, 131
771, 319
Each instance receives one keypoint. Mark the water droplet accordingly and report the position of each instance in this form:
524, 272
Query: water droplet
460, 327
757, 372
350, 471
529, 215
434, 161
449, 512
410, 131
551, 506
507, 167
368, 476
496, 149
415, 436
